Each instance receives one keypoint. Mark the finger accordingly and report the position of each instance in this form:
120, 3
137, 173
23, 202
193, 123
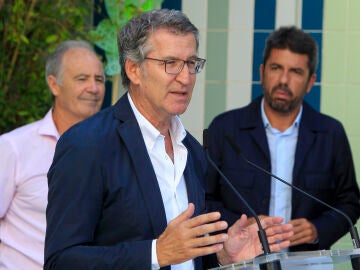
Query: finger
252, 220
303, 236
208, 228
178, 255
270, 221
208, 240
297, 222
307, 236
205, 250
286, 236
276, 229
304, 232
187, 214
239, 225
304, 228
299, 241
299, 229
280, 245
203, 219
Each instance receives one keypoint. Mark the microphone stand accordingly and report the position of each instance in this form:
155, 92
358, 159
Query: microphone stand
269, 265
355, 259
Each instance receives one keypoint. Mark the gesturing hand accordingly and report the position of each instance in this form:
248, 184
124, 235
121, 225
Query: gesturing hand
186, 238
304, 232
244, 244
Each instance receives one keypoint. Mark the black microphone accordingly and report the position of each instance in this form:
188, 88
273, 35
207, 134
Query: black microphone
271, 265
355, 260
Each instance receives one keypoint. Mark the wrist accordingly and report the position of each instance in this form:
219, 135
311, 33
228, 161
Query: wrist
223, 258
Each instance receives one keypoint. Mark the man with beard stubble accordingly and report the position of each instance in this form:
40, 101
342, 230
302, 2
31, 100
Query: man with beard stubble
281, 133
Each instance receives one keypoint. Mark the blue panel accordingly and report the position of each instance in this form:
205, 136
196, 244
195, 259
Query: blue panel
265, 14
264, 19
313, 98
318, 39
312, 19
312, 14
256, 91
171, 4
259, 45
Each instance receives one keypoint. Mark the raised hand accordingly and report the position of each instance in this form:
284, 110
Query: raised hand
244, 244
186, 238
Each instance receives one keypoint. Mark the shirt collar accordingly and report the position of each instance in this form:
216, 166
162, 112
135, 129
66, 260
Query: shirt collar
151, 134
47, 126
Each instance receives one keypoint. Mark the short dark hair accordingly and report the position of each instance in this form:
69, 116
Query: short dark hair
133, 37
297, 41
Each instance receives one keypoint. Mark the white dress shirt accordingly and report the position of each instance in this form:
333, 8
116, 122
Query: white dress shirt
282, 147
170, 176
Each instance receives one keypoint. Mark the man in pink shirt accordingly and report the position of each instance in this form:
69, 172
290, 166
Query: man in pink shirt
76, 79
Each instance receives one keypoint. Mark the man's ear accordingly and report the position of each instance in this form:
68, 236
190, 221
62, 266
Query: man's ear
261, 71
132, 71
53, 85
312, 80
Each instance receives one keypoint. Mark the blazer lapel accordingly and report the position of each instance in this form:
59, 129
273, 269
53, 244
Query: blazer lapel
259, 136
255, 124
306, 139
195, 192
130, 133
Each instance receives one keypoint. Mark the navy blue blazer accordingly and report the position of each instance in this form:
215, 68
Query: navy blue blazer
104, 202
323, 167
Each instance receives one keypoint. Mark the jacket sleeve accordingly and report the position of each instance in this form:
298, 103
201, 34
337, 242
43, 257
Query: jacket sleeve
332, 225
75, 206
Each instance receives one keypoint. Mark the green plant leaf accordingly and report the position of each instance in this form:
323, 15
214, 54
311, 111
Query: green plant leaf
114, 9
133, 3
24, 39
23, 113
151, 4
112, 67
28, 35
106, 33
51, 38
119, 13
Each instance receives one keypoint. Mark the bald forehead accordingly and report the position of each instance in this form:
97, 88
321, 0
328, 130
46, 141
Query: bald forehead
81, 62
78, 53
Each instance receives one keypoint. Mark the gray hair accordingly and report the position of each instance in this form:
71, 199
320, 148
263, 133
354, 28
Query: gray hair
133, 37
54, 63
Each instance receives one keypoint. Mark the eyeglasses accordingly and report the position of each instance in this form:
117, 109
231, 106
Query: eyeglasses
175, 66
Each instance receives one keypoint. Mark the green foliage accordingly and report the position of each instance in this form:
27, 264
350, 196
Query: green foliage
105, 34
29, 31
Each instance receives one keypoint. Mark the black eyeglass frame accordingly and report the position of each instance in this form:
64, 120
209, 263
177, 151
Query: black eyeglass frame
197, 68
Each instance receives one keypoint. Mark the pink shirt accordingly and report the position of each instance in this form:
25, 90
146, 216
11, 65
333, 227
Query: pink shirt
26, 154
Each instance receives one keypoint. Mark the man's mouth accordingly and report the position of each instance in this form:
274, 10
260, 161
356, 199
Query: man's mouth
282, 93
